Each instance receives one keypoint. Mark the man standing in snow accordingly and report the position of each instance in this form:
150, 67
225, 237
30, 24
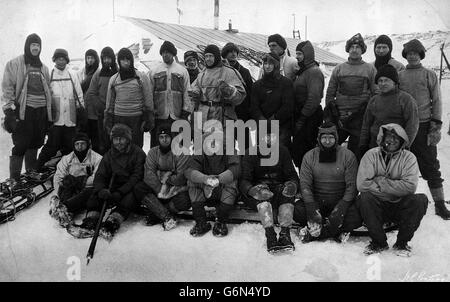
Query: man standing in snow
27, 105
169, 82
308, 92
164, 190
67, 96
125, 162
423, 85
129, 99
328, 188
96, 96
212, 177
268, 188
73, 180
387, 179
351, 85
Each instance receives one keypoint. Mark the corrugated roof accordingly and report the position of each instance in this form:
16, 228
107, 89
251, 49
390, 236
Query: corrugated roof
189, 37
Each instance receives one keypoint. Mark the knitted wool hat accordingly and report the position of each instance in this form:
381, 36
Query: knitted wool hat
414, 45
190, 54
121, 130
327, 128
213, 49
61, 53
164, 129
356, 39
81, 136
387, 71
33, 38
277, 38
29, 58
169, 47
108, 52
125, 53
229, 47
383, 39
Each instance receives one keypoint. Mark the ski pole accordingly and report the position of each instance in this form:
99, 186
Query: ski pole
90, 253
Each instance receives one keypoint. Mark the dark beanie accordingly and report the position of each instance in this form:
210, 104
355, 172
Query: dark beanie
213, 49
92, 53
164, 129
125, 53
121, 130
271, 56
277, 38
29, 58
356, 39
383, 39
414, 45
190, 54
33, 38
387, 71
108, 52
81, 136
169, 47
229, 47
61, 53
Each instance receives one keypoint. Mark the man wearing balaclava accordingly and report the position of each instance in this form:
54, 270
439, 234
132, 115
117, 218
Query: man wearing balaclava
328, 189
129, 99
73, 180
164, 191
96, 98
169, 82
218, 88
351, 85
27, 105
387, 179
273, 98
383, 53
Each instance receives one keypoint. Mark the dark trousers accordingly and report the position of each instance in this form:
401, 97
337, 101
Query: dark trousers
134, 122
306, 139
103, 137
158, 123
180, 202
30, 133
352, 218
59, 138
124, 207
78, 201
407, 213
427, 157
92, 132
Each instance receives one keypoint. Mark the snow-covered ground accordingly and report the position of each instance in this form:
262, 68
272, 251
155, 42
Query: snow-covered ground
34, 248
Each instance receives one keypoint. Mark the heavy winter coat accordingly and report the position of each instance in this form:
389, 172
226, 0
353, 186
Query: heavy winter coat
393, 181
159, 162
253, 173
395, 106
423, 85
288, 67
328, 181
71, 165
95, 98
128, 168
170, 85
309, 85
243, 109
15, 84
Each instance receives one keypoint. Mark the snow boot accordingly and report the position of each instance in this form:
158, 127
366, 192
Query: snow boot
200, 228
374, 248
439, 203
15, 167
111, 226
402, 249
87, 228
272, 242
31, 159
59, 211
220, 229
284, 240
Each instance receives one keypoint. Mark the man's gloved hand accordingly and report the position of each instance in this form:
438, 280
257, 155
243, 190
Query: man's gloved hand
336, 217
185, 114
104, 194
314, 219
289, 189
260, 192
10, 121
434, 133
148, 122
226, 90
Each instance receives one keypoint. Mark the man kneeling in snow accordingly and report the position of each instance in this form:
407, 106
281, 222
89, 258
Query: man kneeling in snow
212, 178
120, 170
328, 188
164, 190
275, 186
73, 180
387, 179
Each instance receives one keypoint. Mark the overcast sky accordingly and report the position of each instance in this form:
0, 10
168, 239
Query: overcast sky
64, 22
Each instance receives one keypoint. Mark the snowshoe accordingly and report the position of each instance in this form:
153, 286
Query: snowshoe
220, 229
200, 229
169, 224
85, 230
284, 240
402, 249
374, 248
109, 229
